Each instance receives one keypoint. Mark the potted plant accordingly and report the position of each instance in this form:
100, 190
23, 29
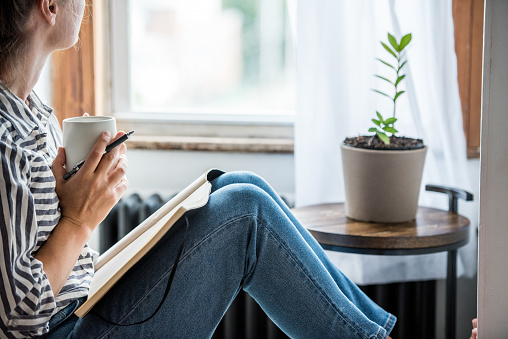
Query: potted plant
382, 172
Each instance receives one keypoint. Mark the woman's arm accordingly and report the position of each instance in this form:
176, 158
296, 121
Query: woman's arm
85, 200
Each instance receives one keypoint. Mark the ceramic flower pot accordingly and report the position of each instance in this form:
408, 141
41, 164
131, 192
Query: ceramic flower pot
382, 185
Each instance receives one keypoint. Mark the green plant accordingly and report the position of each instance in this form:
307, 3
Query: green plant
387, 126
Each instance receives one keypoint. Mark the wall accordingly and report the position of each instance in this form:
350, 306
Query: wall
167, 171
493, 237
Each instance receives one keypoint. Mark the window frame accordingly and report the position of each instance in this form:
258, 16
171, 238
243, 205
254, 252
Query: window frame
468, 17
81, 81
272, 125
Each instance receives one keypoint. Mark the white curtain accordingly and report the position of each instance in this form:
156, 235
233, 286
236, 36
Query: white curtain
337, 47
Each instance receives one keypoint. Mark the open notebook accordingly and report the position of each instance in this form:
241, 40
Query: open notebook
113, 264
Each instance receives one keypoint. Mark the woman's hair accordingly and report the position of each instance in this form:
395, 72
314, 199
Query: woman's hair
14, 15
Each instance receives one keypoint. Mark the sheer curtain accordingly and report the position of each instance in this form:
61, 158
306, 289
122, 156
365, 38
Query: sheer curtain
337, 47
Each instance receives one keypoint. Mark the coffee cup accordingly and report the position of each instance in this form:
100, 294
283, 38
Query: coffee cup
80, 135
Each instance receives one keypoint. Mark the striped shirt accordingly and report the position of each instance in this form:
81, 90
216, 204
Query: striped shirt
29, 210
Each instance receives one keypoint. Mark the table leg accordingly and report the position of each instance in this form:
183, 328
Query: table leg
451, 294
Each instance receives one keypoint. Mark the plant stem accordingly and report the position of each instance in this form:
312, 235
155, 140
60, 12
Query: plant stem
371, 140
395, 83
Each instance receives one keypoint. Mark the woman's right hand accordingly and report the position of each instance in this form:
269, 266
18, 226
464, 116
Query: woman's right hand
85, 200
87, 197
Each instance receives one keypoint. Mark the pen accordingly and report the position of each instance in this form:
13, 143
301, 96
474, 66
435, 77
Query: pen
111, 146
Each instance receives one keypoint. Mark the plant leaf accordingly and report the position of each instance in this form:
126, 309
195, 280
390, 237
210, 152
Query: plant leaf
399, 79
401, 66
406, 39
373, 129
390, 121
389, 50
398, 95
375, 90
390, 129
384, 62
377, 122
393, 42
380, 117
385, 79
383, 137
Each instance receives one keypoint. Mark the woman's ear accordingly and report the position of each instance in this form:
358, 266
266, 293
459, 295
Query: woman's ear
48, 10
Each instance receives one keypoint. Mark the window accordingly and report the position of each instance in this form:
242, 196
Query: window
80, 76
203, 60
468, 22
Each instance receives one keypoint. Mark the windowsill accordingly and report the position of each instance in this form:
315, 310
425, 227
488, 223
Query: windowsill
473, 152
212, 144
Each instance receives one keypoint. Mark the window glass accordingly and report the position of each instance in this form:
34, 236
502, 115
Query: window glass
211, 56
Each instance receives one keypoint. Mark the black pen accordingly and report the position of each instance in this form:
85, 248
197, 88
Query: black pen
114, 144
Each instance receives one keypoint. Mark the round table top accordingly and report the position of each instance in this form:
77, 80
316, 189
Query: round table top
433, 230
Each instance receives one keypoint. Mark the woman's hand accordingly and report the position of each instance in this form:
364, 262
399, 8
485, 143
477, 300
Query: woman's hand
85, 200
87, 197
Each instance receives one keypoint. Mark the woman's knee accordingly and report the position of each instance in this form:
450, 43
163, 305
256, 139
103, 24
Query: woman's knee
241, 195
234, 204
250, 177
245, 177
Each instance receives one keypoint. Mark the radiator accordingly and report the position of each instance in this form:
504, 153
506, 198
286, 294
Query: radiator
413, 303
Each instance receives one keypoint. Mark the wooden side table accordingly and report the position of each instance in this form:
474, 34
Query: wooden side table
433, 231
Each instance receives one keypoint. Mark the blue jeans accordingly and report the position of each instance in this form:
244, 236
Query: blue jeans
244, 238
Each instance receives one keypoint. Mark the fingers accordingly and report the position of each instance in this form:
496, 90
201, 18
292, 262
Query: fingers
110, 159
122, 152
111, 165
94, 157
108, 162
123, 149
58, 165
121, 187
120, 170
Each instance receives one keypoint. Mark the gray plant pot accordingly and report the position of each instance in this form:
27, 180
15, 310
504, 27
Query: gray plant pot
382, 186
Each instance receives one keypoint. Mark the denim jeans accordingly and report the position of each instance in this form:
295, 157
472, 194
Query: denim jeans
244, 238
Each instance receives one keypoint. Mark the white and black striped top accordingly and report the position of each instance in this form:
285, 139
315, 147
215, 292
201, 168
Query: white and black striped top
29, 139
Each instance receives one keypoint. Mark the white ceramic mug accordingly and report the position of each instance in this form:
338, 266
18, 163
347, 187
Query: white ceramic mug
80, 135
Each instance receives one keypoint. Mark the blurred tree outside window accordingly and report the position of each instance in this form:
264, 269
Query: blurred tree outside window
211, 56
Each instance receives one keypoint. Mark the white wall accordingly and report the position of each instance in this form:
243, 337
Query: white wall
168, 171
493, 241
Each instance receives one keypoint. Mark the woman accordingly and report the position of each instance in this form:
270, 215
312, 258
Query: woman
244, 238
